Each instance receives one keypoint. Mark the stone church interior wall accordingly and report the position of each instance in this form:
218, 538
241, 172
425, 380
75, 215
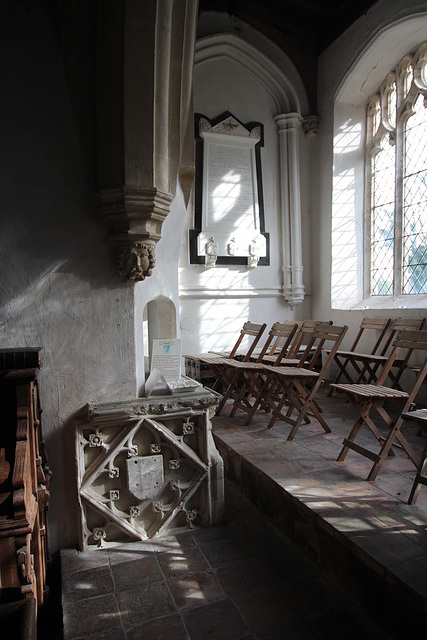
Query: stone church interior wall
215, 302
349, 71
59, 289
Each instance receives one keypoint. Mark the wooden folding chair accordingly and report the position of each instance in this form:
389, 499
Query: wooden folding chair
373, 364
349, 365
239, 385
367, 398
213, 361
285, 390
420, 415
246, 384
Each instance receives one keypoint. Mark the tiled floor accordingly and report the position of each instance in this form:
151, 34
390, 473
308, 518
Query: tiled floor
245, 580
242, 581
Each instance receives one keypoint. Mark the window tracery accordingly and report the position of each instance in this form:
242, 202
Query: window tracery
396, 138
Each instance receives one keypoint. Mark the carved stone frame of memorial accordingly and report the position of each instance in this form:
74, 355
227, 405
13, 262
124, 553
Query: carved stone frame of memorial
229, 226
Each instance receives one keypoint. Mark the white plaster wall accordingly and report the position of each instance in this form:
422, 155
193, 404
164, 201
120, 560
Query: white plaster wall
394, 27
163, 281
58, 289
215, 302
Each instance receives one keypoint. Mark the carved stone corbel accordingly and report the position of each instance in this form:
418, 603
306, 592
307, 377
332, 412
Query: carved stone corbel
135, 217
135, 260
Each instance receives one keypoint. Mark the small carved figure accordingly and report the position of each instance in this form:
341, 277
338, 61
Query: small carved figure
231, 248
254, 253
211, 251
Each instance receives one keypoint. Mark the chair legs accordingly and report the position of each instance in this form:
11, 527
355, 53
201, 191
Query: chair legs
393, 438
420, 478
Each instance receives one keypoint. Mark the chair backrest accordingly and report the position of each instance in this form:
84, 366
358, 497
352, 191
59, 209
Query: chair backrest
380, 325
414, 341
248, 329
410, 341
279, 338
402, 324
401, 363
320, 334
306, 329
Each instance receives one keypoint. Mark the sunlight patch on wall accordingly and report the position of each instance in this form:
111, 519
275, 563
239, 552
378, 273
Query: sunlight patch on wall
221, 323
346, 247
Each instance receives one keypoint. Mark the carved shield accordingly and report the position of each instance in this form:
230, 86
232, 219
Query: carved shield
145, 476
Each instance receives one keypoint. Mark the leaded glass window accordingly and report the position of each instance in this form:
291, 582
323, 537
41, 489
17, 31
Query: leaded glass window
397, 179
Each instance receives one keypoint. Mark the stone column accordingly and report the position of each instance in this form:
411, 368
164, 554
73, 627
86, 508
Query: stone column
289, 127
145, 54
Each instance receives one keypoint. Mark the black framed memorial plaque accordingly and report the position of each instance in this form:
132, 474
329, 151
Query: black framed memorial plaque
229, 226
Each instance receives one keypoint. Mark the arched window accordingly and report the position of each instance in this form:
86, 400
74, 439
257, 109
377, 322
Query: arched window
396, 181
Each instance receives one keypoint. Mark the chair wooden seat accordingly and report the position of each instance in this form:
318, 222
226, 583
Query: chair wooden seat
373, 364
272, 360
367, 398
373, 391
291, 335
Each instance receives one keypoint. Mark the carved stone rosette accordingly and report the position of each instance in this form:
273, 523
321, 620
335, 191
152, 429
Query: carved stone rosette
135, 217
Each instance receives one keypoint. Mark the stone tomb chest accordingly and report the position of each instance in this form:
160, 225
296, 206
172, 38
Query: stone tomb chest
148, 466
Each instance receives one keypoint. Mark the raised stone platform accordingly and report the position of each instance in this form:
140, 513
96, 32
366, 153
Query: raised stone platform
363, 534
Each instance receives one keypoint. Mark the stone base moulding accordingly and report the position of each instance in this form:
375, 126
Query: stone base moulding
147, 467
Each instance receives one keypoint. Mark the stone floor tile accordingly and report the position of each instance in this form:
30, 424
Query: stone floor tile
85, 618
264, 608
136, 573
144, 603
335, 622
73, 560
170, 543
195, 589
275, 469
216, 621
130, 551
114, 633
290, 629
167, 628
210, 534
80, 585
387, 547
242, 577
223, 552
182, 562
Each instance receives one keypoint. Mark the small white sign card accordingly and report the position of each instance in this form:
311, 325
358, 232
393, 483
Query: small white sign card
165, 371
166, 358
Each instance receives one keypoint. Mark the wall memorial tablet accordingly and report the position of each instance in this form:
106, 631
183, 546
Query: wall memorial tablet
229, 212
